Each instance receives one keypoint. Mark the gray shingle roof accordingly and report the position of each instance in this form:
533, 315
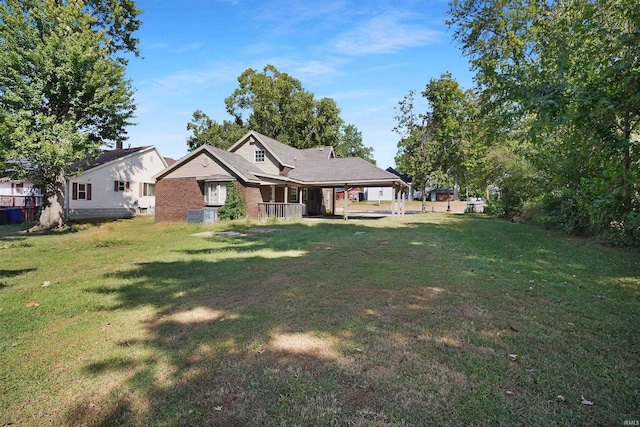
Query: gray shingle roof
239, 163
350, 170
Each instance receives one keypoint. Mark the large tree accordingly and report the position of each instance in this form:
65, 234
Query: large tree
573, 68
437, 143
275, 104
63, 90
417, 147
453, 121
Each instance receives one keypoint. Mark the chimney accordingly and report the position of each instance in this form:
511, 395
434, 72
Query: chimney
119, 144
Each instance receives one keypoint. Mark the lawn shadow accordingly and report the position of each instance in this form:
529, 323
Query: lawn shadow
330, 323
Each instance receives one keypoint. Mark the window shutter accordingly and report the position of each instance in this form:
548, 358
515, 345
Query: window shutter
141, 193
127, 188
74, 191
88, 191
115, 185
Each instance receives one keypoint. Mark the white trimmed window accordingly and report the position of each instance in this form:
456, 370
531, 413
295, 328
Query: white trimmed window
294, 194
80, 191
215, 193
149, 189
121, 186
259, 156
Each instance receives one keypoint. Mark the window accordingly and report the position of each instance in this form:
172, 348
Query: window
380, 192
121, 186
259, 156
215, 193
148, 189
80, 191
294, 194
19, 188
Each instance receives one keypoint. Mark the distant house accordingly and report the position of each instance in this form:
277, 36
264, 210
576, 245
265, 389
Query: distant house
386, 194
117, 184
17, 193
277, 180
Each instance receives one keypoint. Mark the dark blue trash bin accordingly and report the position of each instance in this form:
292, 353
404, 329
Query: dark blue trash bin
14, 215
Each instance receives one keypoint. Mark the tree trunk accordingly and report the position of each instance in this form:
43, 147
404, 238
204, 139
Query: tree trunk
52, 215
456, 187
423, 196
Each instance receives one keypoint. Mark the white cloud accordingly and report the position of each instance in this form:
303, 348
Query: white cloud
385, 33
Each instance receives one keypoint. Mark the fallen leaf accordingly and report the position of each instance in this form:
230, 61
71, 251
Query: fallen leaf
560, 397
32, 304
532, 370
586, 402
513, 357
513, 329
217, 408
15, 344
45, 283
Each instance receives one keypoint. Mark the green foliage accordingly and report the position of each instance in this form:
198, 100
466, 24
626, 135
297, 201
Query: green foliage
276, 105
571, 69
235, 206
351, 144
63, 89
208, 131
438, 143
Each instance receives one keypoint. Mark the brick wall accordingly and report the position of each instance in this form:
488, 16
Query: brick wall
253, 196
174, 196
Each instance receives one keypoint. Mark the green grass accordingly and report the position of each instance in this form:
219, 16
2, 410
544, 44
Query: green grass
374, 322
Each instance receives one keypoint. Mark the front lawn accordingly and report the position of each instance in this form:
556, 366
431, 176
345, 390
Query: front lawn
434, 319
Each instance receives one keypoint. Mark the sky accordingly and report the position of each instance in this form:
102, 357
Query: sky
364, 54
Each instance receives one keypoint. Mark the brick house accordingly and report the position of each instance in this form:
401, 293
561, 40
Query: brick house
276, 179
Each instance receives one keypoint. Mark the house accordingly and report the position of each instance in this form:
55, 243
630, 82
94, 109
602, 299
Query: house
22, 195
117, 184
385, 194
354, 193
276, 179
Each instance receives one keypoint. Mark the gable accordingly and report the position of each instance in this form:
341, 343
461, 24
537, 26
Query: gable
247, 149
202, 164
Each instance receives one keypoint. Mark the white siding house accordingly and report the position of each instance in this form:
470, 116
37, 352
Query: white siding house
118, 184
17, 192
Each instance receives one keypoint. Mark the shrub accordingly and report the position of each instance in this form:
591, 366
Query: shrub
235, 206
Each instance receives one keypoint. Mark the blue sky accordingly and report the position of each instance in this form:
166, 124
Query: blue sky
366, 55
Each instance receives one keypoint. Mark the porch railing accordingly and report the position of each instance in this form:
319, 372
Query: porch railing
280, 210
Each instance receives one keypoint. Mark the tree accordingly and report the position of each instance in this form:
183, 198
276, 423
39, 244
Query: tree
351, 144
571, 66
208, 131
437, 143
63, 90
416, 149
452, 115
275, 104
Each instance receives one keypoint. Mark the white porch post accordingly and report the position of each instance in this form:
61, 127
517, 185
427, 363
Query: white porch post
345, 213
393, 201
286, 194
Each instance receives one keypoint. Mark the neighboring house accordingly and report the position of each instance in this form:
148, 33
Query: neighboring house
22, 195
276, 179
441, 195
354, 193
386, 194
117, 184
18, 193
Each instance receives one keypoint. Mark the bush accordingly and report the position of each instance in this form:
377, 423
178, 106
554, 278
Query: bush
235, 206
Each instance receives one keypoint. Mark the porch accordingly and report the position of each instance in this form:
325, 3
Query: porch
279, 210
